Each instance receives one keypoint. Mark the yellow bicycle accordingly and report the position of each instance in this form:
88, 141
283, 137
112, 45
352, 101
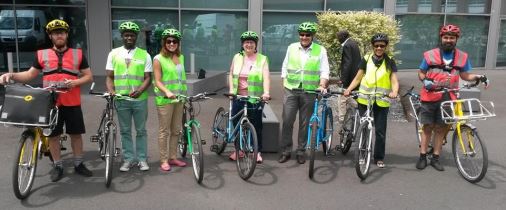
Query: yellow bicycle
34, 110
469, 150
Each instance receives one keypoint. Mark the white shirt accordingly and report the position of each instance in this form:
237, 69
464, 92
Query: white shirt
324, 61
127, 54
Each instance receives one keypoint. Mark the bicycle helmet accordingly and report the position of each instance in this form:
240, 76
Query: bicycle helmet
379, 37
129, 26
172, 32
450, 30
308, 27
57, 24
249, 35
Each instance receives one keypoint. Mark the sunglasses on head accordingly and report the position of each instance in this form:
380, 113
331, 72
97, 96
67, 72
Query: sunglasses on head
304, 34
175, 41
379, 46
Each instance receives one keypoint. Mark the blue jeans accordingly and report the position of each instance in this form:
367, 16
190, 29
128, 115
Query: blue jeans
138, 111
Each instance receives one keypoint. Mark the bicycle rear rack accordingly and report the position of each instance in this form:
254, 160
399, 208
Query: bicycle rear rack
475, 110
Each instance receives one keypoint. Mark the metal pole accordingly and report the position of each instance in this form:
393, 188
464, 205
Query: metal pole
16, 33
446, 6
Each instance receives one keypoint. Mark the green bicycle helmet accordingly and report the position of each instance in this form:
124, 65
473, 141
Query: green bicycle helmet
249, 35
172, 32
129, 26
307, 27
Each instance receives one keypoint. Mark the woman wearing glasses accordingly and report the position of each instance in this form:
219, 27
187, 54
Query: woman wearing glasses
377, 73
170, 80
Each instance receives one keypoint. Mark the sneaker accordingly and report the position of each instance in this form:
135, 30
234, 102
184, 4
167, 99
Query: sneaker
259, 158
380, 164
177, 162
143, 166
232, 156
82, 170
434, 162
56, 173
125, 167
422, 163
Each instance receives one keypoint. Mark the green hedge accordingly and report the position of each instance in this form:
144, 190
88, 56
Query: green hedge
361, 25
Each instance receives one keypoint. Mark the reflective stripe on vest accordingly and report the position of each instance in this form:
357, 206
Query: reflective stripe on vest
170, 80
309, 74
70, 61
129, 78
56, 71
255, 76
441, 77
376, 79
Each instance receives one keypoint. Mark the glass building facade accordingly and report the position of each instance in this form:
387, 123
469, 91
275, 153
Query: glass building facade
211, 28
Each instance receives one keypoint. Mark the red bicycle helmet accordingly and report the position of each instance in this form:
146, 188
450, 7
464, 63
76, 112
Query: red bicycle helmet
450, 30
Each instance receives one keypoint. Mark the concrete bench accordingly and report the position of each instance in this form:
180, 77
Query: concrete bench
271, 131
215, 80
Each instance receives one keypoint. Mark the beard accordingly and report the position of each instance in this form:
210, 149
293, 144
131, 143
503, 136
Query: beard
448, 47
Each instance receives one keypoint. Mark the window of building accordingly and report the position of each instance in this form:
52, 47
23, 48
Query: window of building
355, 5
220, 4
280, 30
293, 5
140, 3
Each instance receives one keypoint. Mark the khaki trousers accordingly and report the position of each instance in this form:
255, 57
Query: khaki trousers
170, 118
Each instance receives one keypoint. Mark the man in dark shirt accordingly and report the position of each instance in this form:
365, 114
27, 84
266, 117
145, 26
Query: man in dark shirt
349, 66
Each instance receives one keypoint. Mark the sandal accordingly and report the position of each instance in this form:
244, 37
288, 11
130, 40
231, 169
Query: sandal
380, 164
165, 167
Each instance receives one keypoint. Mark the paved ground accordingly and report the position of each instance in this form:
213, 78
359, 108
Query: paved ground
274, 185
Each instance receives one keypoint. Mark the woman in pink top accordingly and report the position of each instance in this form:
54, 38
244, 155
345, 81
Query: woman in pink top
249, 76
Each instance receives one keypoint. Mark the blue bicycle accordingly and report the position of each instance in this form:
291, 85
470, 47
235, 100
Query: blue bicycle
321, 126
243, 135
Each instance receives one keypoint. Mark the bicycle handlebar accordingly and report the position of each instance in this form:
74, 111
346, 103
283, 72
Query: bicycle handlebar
197, 97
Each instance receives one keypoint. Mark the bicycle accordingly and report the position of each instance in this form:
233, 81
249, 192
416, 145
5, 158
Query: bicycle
34, 141
320, 127
469, 151
349, 127
243, 135
190, 139
106, 135
365, 135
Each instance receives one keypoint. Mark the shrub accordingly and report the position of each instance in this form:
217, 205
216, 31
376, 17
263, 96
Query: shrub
361, 25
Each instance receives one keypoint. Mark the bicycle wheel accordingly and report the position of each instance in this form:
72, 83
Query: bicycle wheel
110, 148
473, 163
246, 150
363, 153
219, 131
312, 150
329, 131
197, 153
25, 164
346, 134
182, 143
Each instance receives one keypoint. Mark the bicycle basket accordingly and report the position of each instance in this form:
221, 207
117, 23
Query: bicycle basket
475, 110
27, 106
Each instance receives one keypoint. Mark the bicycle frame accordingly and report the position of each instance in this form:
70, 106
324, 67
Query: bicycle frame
320, 122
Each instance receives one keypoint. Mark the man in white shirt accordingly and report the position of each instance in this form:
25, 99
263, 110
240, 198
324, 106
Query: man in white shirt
128, 72
305, 68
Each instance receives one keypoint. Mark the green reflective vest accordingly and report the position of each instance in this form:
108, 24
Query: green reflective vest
309, 74
128, 78
171, 80
255, 77
376, 79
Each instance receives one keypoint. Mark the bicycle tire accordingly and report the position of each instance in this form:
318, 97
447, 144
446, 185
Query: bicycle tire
313, 148
219, 124
329, 131
182, 143
471, 167
248, 138
197, 153
110, 148
346, 135
363, 153
22, 185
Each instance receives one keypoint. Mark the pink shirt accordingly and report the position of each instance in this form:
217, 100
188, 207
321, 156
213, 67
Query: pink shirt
242, 88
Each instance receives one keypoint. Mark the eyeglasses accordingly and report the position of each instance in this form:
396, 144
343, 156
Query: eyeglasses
172, 42
306, 35
380, 46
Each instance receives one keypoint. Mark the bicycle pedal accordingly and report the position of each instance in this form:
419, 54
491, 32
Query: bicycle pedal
203, 142
94, 138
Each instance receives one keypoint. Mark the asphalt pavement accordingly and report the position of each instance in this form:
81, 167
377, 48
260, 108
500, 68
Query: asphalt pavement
273, 186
